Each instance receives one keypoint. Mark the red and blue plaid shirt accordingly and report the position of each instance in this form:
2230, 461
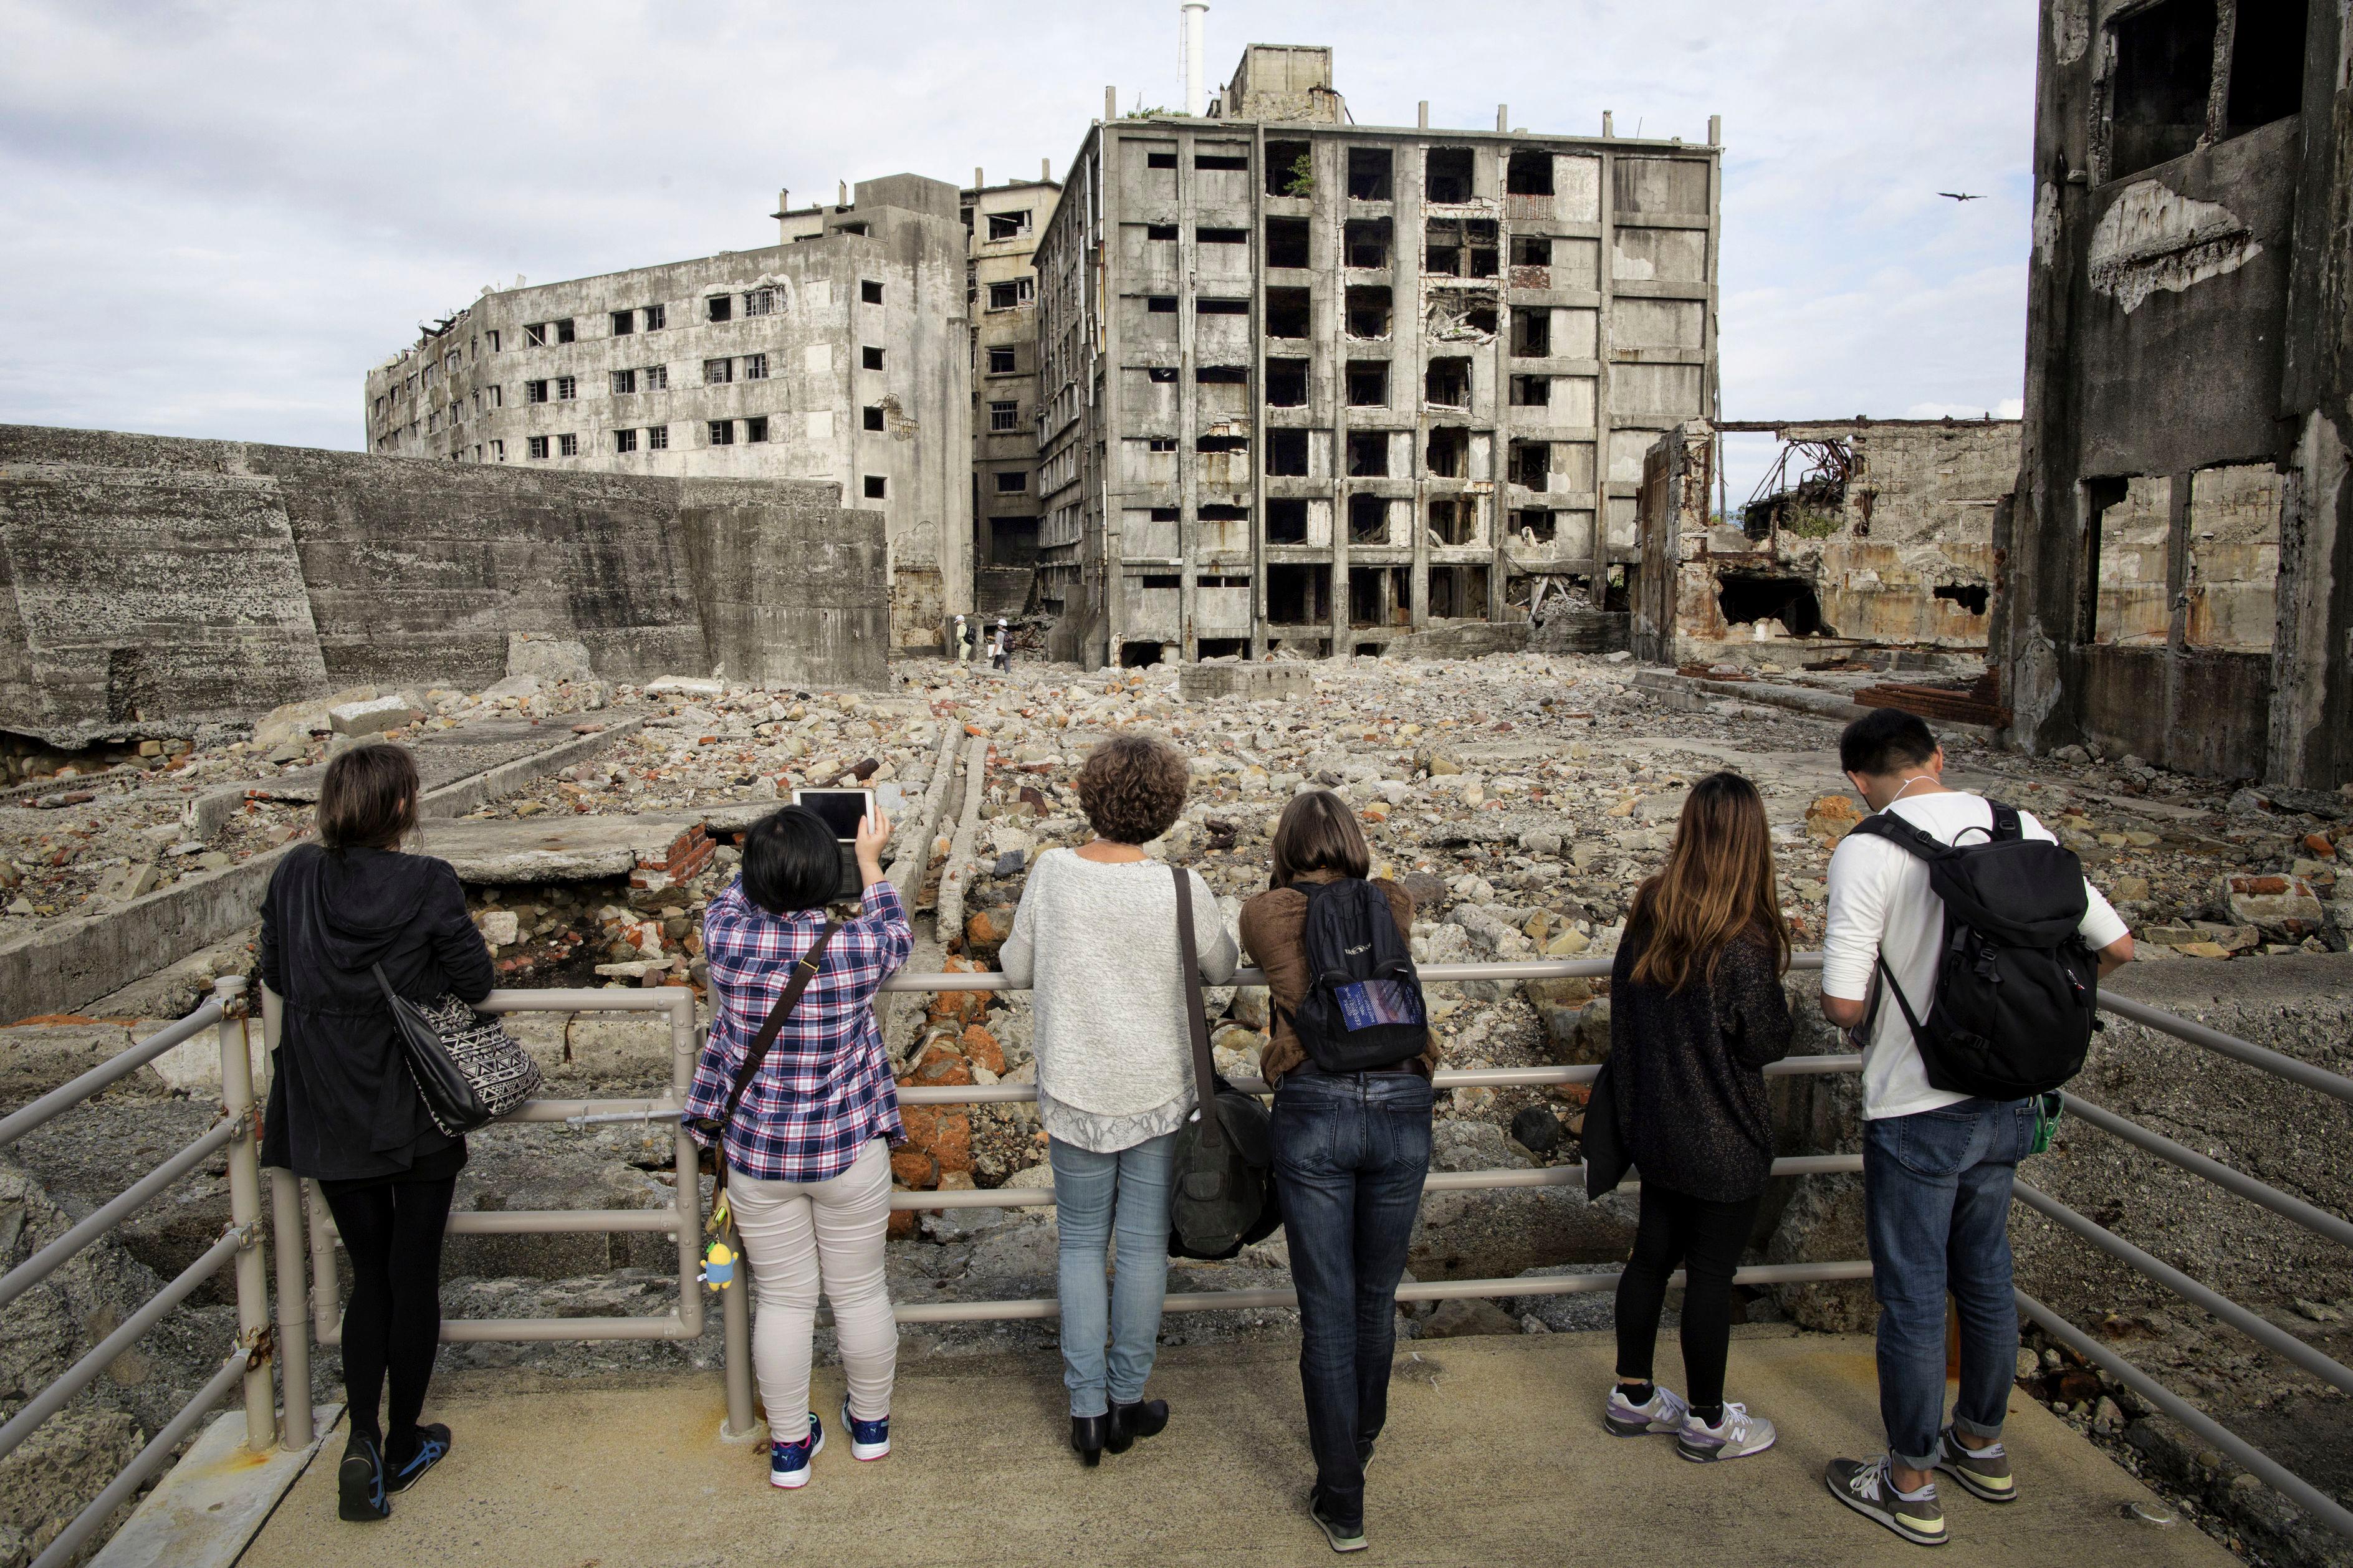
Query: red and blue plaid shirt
826, 1088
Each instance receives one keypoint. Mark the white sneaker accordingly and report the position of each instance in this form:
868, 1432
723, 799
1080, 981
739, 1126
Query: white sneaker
1665, 1413
1736, 1437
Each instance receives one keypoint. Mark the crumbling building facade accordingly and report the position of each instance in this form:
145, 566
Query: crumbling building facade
1003, 223
1308, 384
2179, 580
1866, 536
842, 352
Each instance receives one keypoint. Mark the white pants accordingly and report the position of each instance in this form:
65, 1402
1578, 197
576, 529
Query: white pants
795, 1233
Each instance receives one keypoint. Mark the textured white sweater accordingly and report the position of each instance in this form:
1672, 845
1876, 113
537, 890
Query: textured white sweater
1097, 943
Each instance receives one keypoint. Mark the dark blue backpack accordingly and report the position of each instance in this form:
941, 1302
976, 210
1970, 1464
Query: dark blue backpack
1363, 1008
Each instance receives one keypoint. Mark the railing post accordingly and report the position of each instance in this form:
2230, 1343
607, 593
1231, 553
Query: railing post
245, 1212
293, 1306
735, 1318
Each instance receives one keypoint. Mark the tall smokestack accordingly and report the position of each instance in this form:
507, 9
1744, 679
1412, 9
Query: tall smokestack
1196, 104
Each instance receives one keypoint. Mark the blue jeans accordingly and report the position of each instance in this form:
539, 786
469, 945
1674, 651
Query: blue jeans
1350, 1152
1087, 1187
1935, 1204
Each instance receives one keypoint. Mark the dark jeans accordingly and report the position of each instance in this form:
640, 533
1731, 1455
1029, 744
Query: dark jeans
1935, 1206
1706, 1240
392, 1325
1350, 1152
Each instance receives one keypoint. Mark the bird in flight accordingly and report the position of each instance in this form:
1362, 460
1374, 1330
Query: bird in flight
1959, 197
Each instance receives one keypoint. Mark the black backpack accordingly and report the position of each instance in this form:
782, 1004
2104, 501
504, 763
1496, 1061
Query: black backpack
2017, 990
1363, 1008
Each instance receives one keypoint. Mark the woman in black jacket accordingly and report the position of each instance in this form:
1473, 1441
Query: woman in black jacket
1697, 1011
342, 1108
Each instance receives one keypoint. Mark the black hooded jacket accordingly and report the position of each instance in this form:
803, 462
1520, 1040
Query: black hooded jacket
342, 1104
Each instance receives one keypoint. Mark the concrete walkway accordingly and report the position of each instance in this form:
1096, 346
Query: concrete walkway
1494, 1454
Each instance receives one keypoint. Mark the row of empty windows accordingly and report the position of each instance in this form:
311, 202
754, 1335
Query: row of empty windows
1448, 172
1445, 455
1453, 522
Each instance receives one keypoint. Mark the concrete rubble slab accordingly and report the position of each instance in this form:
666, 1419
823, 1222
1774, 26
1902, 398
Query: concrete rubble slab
210, 1505
1495, 1454
537, 849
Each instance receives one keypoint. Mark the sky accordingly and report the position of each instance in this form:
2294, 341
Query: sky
220, 214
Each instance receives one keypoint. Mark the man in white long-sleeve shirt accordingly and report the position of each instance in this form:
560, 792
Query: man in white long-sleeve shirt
1937, 1166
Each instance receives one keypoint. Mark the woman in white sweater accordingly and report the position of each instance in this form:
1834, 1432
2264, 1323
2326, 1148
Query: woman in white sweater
1095, 938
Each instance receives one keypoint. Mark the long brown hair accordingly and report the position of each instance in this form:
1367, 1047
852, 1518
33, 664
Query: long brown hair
1715, 889
1317, 832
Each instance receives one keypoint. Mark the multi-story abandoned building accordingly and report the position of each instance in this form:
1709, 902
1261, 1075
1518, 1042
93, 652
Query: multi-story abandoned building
841, 352
1317, 386
2180, 575
1003, 223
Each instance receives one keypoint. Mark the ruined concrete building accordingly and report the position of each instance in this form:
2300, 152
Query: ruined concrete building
1866, 535
1003, 223
1309, 384
841, 352
2179, 581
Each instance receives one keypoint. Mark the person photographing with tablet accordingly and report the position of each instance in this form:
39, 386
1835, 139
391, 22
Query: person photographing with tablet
805, 1127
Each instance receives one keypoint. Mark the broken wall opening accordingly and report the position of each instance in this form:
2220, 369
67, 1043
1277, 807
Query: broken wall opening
1222, 648
1286, 312
1970, 596
1290, 171
1365, 242
1529, 173
2124, 596
1298, 594
1367, 310
1368, 454
1286, 383
2230, 565
1286, 453
1446, 381
1449, 452
1458, 592
1369, 175
1286, 520
1453, 520
1748, 597
2266, 64
1368, 519
1446, 175
1286, 242
1462, 315
1460, 248
1368, 382
1139, 654
1812, 505
2156, 98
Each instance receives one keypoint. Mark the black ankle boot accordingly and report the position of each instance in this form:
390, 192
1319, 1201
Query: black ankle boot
1145, 1419
1088, 1434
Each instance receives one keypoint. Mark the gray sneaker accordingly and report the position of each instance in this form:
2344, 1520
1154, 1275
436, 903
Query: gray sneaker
1737, 1435
1342, 1537
1664, 1412
1982, 1472
1866, 1487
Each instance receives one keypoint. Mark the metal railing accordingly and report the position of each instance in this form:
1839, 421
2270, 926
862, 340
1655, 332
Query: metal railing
305, 1264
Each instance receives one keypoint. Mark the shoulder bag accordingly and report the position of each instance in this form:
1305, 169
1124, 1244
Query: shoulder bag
467, 1070
756, 1054
1221, 1192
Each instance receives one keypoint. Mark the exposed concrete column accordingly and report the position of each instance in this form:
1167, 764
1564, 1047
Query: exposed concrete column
1259, 174
1189, 364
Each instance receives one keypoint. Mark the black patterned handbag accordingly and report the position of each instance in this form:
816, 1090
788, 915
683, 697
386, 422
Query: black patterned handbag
469, 1071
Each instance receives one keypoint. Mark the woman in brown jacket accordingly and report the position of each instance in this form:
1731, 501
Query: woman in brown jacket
1351, 1150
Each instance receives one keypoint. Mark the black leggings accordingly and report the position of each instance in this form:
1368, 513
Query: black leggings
392, 1231
1706, 1238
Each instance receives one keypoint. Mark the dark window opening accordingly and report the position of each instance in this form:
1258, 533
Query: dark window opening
1286, 383
1286, 242
1368, 382
1160, 231
1009, 480
1160, 159
1221, 444
1224, 513
1012, 541
563, 330
1221, 160
1222, 375
1534, 525
1368, 519
1529, 174
1286, 453
1530, 464
1160, 444
721, 432
624, 323
719, 308
1970, 596
1368, 454
870, 292
1141, 655
872, 416
876, 487
1453, 521
1460, 248
1458, 592
1161, 373
1297, 595
2266, 64
1165, 513
1447, 174
1224, 648
1531, 250
871, 358
1286, 312
755, 428
1530, 391
1220, 307
1369, 174
1162, 580
1365, 602
1286, 523
2157, 100
1221, 235
1446, 383
1290, 169
1746, 596
1161, 304
1365, 242
1449, 452
1368, 312
2099, 495
1001, 361
1531, 334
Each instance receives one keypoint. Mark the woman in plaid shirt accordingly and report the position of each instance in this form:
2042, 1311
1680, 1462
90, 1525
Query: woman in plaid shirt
808, 1150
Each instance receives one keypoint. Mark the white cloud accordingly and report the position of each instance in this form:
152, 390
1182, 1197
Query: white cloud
226, 214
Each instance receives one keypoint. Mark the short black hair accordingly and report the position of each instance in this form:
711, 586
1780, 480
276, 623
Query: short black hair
1885, 739
791, 861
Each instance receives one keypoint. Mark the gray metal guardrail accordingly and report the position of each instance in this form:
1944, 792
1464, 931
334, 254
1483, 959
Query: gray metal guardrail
303, 1240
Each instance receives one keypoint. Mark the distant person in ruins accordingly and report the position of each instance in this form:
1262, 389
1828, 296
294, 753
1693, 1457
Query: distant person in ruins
965, 639
342, 1108
1937, 1166
807, 1130
1095, 938
1696, 1015
1351, 1131
1001, 649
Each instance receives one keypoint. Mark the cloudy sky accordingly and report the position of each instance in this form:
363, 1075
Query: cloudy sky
220, 214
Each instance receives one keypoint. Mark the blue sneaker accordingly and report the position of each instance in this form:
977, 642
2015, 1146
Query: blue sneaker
432, 1447
869, 1440
359, 1484
788, 1463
